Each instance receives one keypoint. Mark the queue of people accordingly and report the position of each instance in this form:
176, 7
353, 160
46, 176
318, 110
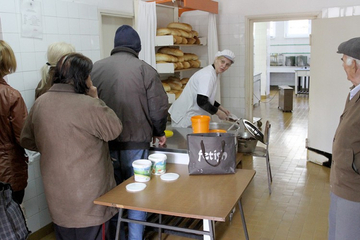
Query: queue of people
88, 135
91, 121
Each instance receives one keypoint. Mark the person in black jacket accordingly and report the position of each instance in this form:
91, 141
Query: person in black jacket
133, 89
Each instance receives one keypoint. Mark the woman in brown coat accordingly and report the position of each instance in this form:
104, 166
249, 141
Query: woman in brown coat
70, 127
13, 162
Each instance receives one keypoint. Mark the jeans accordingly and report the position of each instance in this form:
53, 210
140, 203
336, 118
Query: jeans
123, 170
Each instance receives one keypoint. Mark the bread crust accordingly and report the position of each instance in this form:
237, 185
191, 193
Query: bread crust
166, 86
190, 56
171, 51
182, 26
163, 31
195, 63
165, 57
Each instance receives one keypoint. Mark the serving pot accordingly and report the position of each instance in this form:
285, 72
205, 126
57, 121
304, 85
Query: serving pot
225, 126
246, 142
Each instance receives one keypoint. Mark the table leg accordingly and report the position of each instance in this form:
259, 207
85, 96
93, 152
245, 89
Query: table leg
209, 226
243, 220
160, 230
118, 224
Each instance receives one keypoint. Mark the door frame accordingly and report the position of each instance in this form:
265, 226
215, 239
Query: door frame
249, 49
110, 13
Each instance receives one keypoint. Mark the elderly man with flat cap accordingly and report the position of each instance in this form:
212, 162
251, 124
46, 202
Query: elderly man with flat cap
133, 89
344, 214
198, 96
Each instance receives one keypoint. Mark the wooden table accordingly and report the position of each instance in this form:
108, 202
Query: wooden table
209, 197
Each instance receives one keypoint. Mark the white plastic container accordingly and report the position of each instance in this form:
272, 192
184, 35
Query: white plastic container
158, 163
142, 170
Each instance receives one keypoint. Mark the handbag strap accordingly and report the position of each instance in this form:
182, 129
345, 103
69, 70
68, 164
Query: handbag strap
220, 156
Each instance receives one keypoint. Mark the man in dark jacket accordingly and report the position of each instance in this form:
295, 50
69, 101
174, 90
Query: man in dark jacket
133, 89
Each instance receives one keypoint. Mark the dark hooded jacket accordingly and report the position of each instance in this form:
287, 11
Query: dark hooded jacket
133, 89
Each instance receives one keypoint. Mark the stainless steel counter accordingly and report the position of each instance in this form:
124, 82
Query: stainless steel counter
176, 143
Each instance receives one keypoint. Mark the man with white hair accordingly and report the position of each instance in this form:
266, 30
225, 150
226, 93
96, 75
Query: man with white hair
198, 96
344, 217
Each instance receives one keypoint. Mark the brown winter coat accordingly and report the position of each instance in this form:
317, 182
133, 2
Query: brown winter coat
71, 131
13, 162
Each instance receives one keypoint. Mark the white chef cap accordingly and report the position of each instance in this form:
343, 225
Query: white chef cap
226, 53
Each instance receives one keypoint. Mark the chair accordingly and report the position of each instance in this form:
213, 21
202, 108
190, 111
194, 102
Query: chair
264, 153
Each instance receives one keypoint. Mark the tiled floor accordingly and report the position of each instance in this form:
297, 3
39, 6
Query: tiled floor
299, 203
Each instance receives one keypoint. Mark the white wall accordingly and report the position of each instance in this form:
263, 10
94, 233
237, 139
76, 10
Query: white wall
77, 22
261, 55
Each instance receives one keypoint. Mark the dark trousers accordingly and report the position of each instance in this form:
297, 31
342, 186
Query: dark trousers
87, 233
18, 196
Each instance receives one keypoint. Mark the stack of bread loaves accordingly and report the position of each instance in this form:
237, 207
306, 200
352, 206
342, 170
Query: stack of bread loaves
174, 85
182, 33
180, 59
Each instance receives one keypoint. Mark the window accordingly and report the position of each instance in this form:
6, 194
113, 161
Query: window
297, 29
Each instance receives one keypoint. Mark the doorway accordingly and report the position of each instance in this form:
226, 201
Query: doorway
110, 22
249, 52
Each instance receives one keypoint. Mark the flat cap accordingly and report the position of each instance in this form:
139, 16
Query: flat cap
350, 48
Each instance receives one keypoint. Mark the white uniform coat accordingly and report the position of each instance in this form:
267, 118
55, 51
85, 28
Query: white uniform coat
203, 82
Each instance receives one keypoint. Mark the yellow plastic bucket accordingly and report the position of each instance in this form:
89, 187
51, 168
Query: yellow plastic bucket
200, 123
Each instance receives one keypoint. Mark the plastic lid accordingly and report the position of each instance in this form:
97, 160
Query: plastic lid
135, 187
169, 176
253, 130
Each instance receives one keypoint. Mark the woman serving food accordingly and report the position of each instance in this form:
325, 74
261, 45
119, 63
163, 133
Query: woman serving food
198, 97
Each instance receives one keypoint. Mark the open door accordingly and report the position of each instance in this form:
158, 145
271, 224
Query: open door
329, 86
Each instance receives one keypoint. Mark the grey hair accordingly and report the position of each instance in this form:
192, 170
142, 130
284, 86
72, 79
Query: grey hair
350, 59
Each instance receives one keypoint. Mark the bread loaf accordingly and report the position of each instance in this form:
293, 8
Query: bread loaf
186, 64
166, 86
184, 40
185, 34
175, 32
165, 57
195, 63
191, 40
184, 80
181, 59
171, 51
182, 26
175, 85
194, 33
179, 66
197, 40
163, 31
190, 56
178, 39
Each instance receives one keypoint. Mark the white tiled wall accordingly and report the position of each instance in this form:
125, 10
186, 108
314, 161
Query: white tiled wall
231, 34
67, 21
